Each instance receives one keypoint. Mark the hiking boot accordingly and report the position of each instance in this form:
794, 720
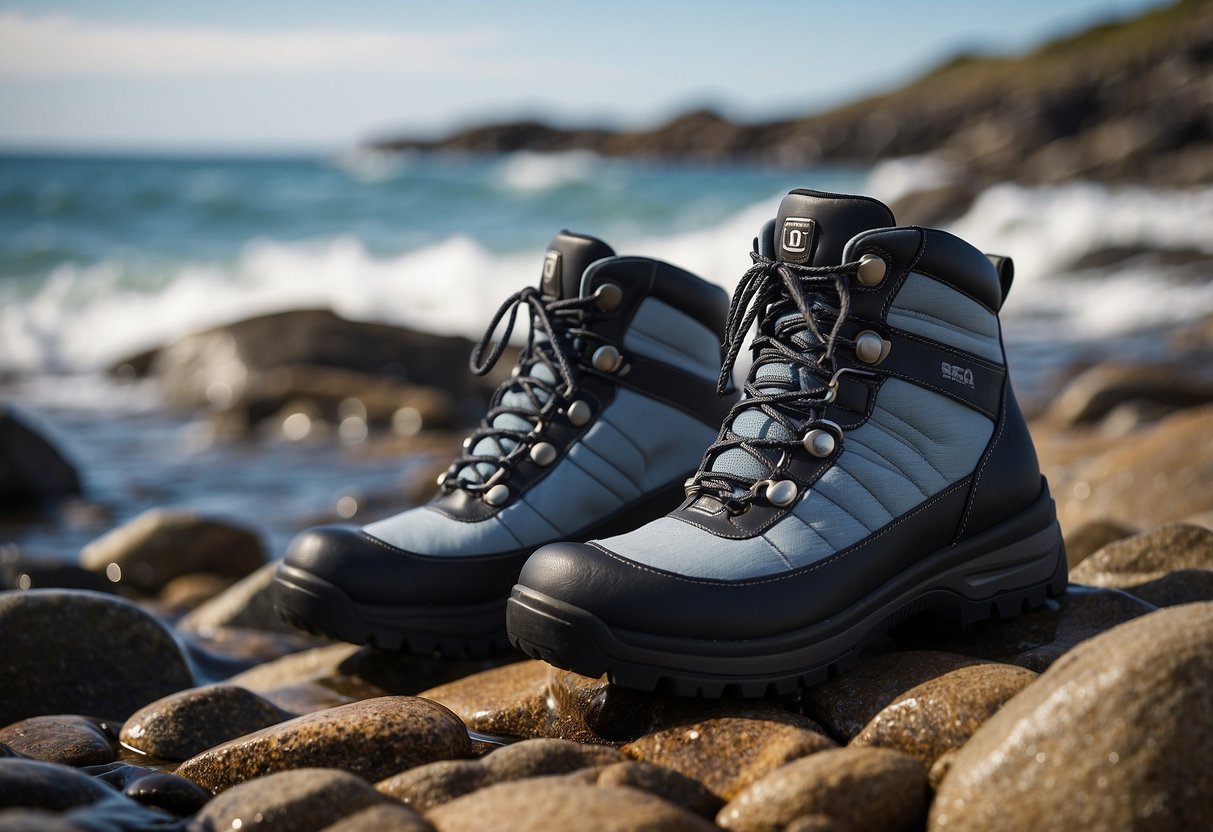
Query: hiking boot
876, 466
609, 408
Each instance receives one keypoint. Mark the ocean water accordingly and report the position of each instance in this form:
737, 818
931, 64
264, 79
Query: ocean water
101, 258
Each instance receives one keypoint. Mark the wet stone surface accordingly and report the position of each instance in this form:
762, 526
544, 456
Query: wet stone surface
374, 739
1112, 734
188, 722
664, 782
84, 653
289, 801
68, 739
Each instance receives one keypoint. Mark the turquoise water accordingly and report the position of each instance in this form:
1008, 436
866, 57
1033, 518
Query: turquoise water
104, 257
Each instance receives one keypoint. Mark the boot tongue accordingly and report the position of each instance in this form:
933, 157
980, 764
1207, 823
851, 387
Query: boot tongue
812, 228
567, 257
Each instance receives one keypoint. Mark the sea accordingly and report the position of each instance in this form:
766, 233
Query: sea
103, 257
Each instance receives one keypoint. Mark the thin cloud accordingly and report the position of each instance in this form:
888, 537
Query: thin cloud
58, 45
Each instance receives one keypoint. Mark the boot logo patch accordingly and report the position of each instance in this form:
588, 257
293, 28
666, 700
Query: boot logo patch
958, 374
551, 273
796, 239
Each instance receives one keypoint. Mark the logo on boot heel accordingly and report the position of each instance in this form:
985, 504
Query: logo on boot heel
958, 374
550, 281
796, 239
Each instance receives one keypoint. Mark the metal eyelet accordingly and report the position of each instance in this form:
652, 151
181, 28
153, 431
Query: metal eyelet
870, 348
781, 493
606, 359
543, 453
872, 270
497, 495
579, 413
607, 297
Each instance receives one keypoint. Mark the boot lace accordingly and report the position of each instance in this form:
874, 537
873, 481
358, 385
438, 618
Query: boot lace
562, 325
799, 327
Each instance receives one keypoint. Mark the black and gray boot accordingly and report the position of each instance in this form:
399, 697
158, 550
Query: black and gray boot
609, 409
877, 466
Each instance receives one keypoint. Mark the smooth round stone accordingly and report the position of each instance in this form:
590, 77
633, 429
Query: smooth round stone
161, 544
39, 785
84, 653
246, 603
846, 788
1145, 558
1121, 726
384, 817
173, 794
373, 738
188, 722
658, 780
288, 801
69, 739
543, 804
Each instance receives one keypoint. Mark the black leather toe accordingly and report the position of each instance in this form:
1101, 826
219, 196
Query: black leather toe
371, 571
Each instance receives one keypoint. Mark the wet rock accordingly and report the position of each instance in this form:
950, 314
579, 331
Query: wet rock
1111, 736
162, 544
34, 820
20, 571
385, 817
939, 715
1037, 638
373, 739
1090, 537
846, 704
847, 788
305, 698
5, 751
83, 652
221, 652
508, 701
664, 782
187, 723
940, 769
424, 787
728, 753
1094, 393
246, 603
68, 739
289, 801
32, 470
298, 668
1147, 557
542, 804
35, 784
934, 208
173, 794
184, 594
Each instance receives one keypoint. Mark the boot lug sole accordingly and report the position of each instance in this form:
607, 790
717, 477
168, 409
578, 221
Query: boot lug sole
992, 584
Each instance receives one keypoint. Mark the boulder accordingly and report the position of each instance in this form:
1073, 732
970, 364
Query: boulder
68, 739
187, 723
32, 469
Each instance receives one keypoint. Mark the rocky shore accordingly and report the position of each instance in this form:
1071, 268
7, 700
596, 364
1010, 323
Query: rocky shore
153, 687
1128, 101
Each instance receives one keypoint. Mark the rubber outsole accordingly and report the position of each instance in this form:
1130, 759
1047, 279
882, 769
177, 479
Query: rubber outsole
994, 583
317, 606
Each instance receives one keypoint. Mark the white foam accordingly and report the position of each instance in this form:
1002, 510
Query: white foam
527, 171
892, 179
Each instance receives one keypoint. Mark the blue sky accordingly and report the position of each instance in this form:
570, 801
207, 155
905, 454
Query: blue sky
267, 74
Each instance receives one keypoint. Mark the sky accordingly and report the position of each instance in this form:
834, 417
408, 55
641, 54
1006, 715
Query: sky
317, 75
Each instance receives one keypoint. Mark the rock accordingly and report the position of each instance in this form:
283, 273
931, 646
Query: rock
83, 652
20, 571
289, 801
384, 817
424, 787
847, 788
305, 698
187, 723
1094, 393
941, 714
298, 668
1147, 557
32, 470
1090, 537
934, 208
1117, 734
181, 595
508, 701
1184, 586
373, 739
34, 820
162, 544
69, 739
1037, 638
664, 782
218, 653
173, 794
39, 785
246, 603
728, 753
846, 704
542, 804
940, 769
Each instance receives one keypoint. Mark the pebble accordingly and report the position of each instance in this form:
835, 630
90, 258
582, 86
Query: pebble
162, 544
69, 739
1037, 638
169, 792
247, 603
846, 704
84, 653
427, 786
374, 739
941, 714
189, 722
38, 785
385, 817
288, 801
1092, 536
664, 782
1118, 734
857, 789
547, 803
1146, 558
728, 753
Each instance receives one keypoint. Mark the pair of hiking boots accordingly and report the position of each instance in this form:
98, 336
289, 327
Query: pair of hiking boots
875, 465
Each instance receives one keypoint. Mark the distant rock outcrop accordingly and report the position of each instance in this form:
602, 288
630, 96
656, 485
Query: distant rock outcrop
1124, 101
